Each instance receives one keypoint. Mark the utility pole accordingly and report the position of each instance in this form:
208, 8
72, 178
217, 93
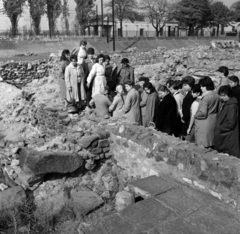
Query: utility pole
97, 18
113, 24
102, 16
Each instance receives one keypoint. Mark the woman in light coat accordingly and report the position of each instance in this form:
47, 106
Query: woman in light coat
97, 74
118, 103
132, 104
206, 116
75, 79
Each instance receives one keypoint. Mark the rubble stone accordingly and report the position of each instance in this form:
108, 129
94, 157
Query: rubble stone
43, 162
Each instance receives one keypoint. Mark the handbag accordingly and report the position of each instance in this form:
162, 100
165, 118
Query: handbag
71, 106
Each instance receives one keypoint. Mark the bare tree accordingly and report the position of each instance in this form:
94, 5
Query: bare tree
54, 9
159, 13
14, 9
37, 9
84, 8
125, 9
65, 15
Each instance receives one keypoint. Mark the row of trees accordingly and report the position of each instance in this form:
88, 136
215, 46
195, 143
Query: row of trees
194, 14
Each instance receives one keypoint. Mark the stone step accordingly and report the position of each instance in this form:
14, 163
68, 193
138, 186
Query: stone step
152, 186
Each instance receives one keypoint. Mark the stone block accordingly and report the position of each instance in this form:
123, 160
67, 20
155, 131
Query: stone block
43, 162
12, 198
215, 220
84, 200
86, 141
106, 149
123, 199
179, 200
96, 151
146, 214
113, 224
152, 186
103, 143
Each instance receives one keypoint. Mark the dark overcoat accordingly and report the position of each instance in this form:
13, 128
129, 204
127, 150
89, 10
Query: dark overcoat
166, 116
227, 133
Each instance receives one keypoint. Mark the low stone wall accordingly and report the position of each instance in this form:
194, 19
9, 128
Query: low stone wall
21, 73
145, 152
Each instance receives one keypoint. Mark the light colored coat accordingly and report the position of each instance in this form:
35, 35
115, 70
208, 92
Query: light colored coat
206, 119
132, 106
98, 74
117, 106
71, 79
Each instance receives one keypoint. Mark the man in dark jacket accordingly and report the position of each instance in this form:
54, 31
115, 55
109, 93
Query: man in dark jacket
123, 73
167, 112
187, 84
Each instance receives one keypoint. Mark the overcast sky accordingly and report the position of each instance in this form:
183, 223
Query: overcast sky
25, 19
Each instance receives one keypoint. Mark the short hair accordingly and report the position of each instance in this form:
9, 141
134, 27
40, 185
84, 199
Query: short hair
63, 55
176, 84
82, 42
149, 86
224, 70
101, 56
118, 87
188, 80
234, 79
144, 79
107, 57
125, 60
128, 82
106, 88
90, 50
169, 82
225, 89
73, 56
162, 88
197, 89
207, 82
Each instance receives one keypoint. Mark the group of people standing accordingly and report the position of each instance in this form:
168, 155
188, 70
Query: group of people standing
196, 112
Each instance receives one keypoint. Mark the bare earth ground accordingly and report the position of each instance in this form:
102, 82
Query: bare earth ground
9, 49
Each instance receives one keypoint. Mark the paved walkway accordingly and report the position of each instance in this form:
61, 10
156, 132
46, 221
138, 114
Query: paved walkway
170, 208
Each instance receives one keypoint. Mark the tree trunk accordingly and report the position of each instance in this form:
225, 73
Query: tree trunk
218, 30
14, 22
36, 22
121, 28
50, 19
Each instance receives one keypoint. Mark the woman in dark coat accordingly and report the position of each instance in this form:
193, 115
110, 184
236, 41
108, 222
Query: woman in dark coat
152, 104
167, 111
227, 133
234, 83
65, 57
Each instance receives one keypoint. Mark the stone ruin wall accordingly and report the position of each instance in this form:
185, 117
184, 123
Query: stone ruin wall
77, 148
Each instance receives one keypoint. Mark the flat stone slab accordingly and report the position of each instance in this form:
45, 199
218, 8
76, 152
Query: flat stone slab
179, 200
215, 220
152, 186
43, 162
146, 214
113, 224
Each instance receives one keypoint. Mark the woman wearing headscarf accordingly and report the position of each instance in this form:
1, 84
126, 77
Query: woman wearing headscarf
227, 133
97, 76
